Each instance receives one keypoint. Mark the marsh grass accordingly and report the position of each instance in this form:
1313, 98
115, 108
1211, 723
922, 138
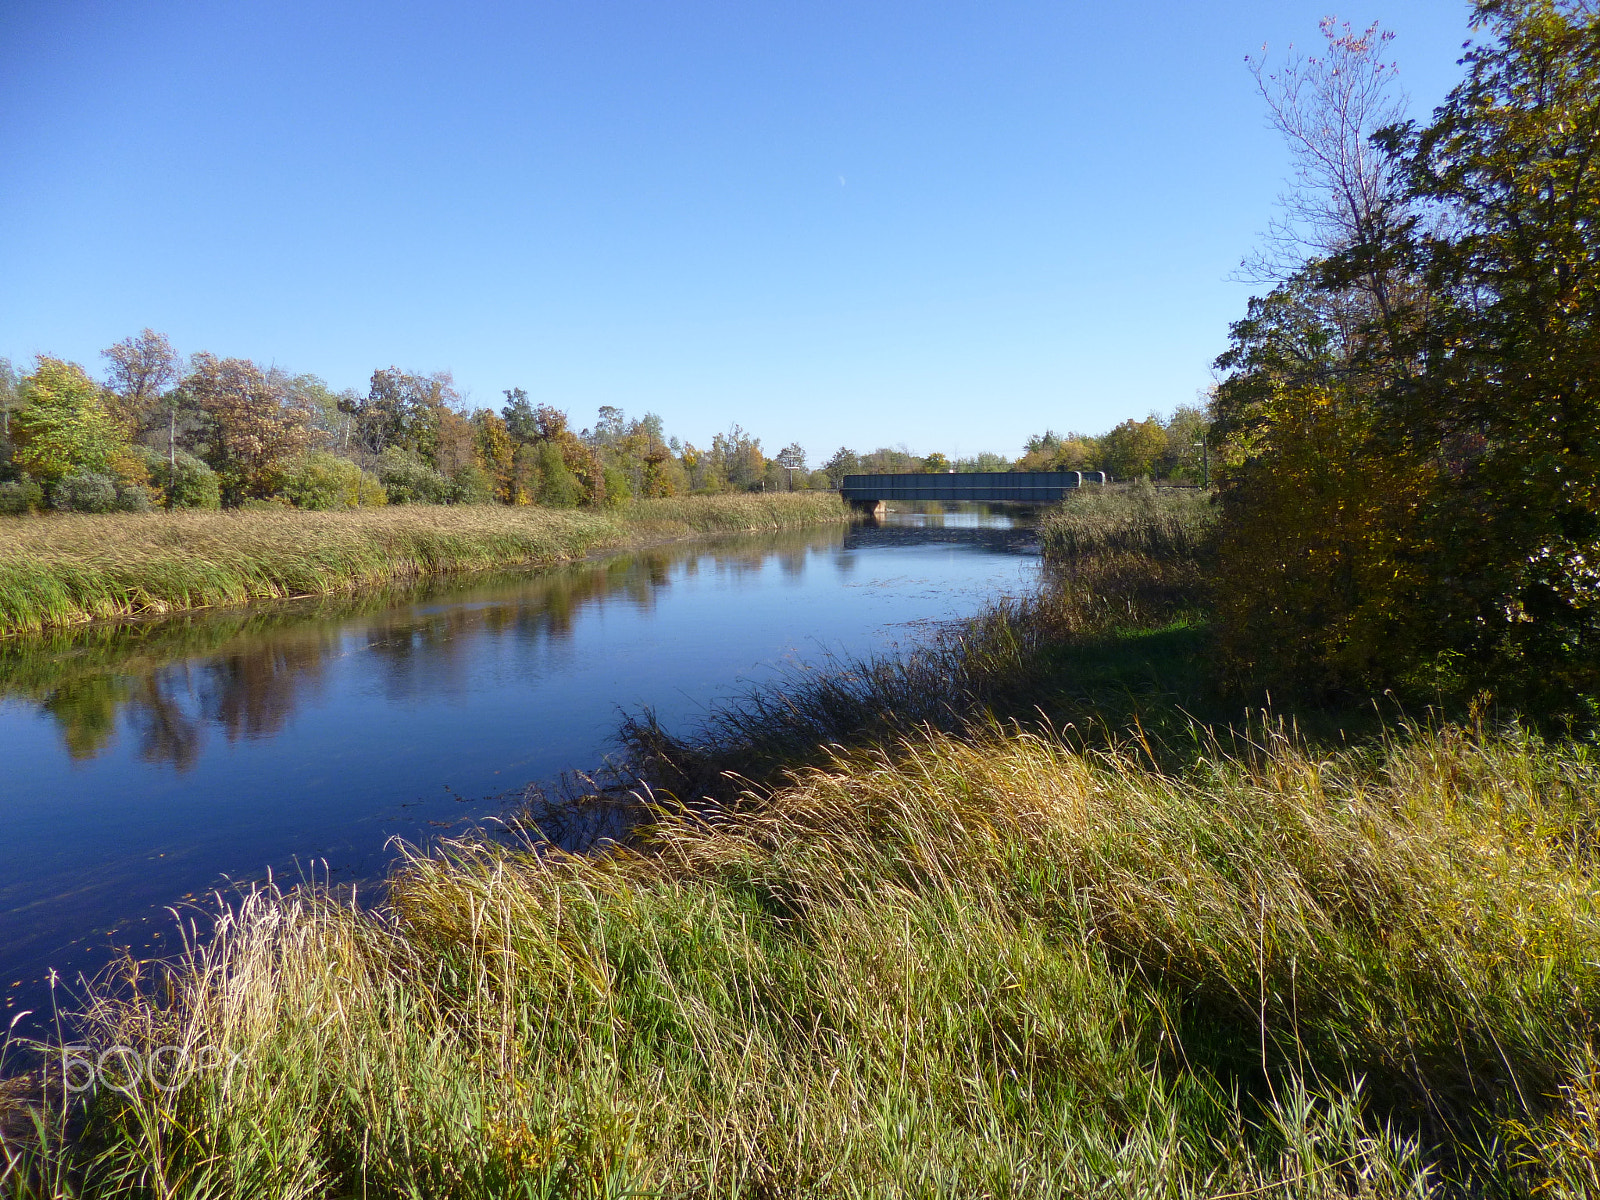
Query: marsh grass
1129, 519
950, 966
65, 569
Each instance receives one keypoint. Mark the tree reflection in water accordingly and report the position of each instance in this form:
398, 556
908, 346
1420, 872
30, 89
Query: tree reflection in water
244, 672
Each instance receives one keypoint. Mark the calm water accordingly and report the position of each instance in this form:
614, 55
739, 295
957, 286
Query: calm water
146, 763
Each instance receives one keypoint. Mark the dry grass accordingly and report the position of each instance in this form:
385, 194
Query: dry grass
65, 569
1136, 519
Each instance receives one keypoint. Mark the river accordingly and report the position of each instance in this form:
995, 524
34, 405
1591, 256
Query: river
145, 763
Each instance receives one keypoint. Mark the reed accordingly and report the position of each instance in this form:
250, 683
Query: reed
1132, 519
65, 569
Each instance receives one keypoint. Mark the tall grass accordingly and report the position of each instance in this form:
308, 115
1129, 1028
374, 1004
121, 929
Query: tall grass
951, 966
1136, 519
66, 569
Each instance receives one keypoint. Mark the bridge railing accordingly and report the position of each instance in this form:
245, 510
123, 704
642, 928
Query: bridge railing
1016, 487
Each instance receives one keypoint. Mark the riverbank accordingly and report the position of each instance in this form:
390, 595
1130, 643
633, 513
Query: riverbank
1028, 928
67, 569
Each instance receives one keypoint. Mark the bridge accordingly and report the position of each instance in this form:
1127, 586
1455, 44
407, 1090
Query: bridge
960, 487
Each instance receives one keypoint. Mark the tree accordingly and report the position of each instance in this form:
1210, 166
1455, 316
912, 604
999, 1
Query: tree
1411, 423
791, 458
1185, 456
936, 463
255, 422
330, 411
1345, 190
1133, 448
522, 422
9, 400
495, 454
63, 425
1509, 410
844, 462
141, 372
404, 409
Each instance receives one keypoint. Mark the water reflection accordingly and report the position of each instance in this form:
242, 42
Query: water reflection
146, 759
243, 673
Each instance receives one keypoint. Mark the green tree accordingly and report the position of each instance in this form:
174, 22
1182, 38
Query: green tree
1509, 408
1133, 449
844, 462
401, 408
63, 425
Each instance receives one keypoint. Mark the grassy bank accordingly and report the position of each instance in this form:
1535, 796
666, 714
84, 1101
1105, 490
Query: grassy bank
1027, 928
957, 965
65, 569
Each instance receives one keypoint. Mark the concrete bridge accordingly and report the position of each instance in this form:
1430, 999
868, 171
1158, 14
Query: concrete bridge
957, 487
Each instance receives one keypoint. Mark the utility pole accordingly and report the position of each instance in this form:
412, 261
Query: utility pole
1205, 463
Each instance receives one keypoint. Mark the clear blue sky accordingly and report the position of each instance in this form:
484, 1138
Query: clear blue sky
945, 225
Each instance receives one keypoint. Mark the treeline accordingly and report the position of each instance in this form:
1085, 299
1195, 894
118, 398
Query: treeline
1170, 448
213, 432
1411, 415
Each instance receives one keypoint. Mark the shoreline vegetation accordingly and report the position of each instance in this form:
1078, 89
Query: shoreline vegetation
68, 569
1014, 914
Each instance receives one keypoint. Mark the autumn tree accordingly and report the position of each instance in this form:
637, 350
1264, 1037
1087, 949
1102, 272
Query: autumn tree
1412, 422
255, 422
552, 464
141, 373
495, 453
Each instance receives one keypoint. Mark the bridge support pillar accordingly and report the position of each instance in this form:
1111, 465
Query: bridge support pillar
872, 510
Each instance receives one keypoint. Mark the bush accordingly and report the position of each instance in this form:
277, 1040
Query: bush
85, 491
558, 486
322, 481
20, 496
408, 480
186, 483
134, 498
618, 490
471, 485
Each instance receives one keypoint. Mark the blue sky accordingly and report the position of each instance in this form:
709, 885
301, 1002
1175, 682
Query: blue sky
943, 225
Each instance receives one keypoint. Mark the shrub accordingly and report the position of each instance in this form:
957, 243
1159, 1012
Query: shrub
134, 498
408, 480
322, 481
20, 496
558, 487
471, 485
186, 483
85, 491
618, 489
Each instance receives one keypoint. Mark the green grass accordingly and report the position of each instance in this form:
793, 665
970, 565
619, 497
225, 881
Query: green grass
66, 569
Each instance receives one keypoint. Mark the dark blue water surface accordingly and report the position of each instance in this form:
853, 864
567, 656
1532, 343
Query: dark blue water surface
148, 762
